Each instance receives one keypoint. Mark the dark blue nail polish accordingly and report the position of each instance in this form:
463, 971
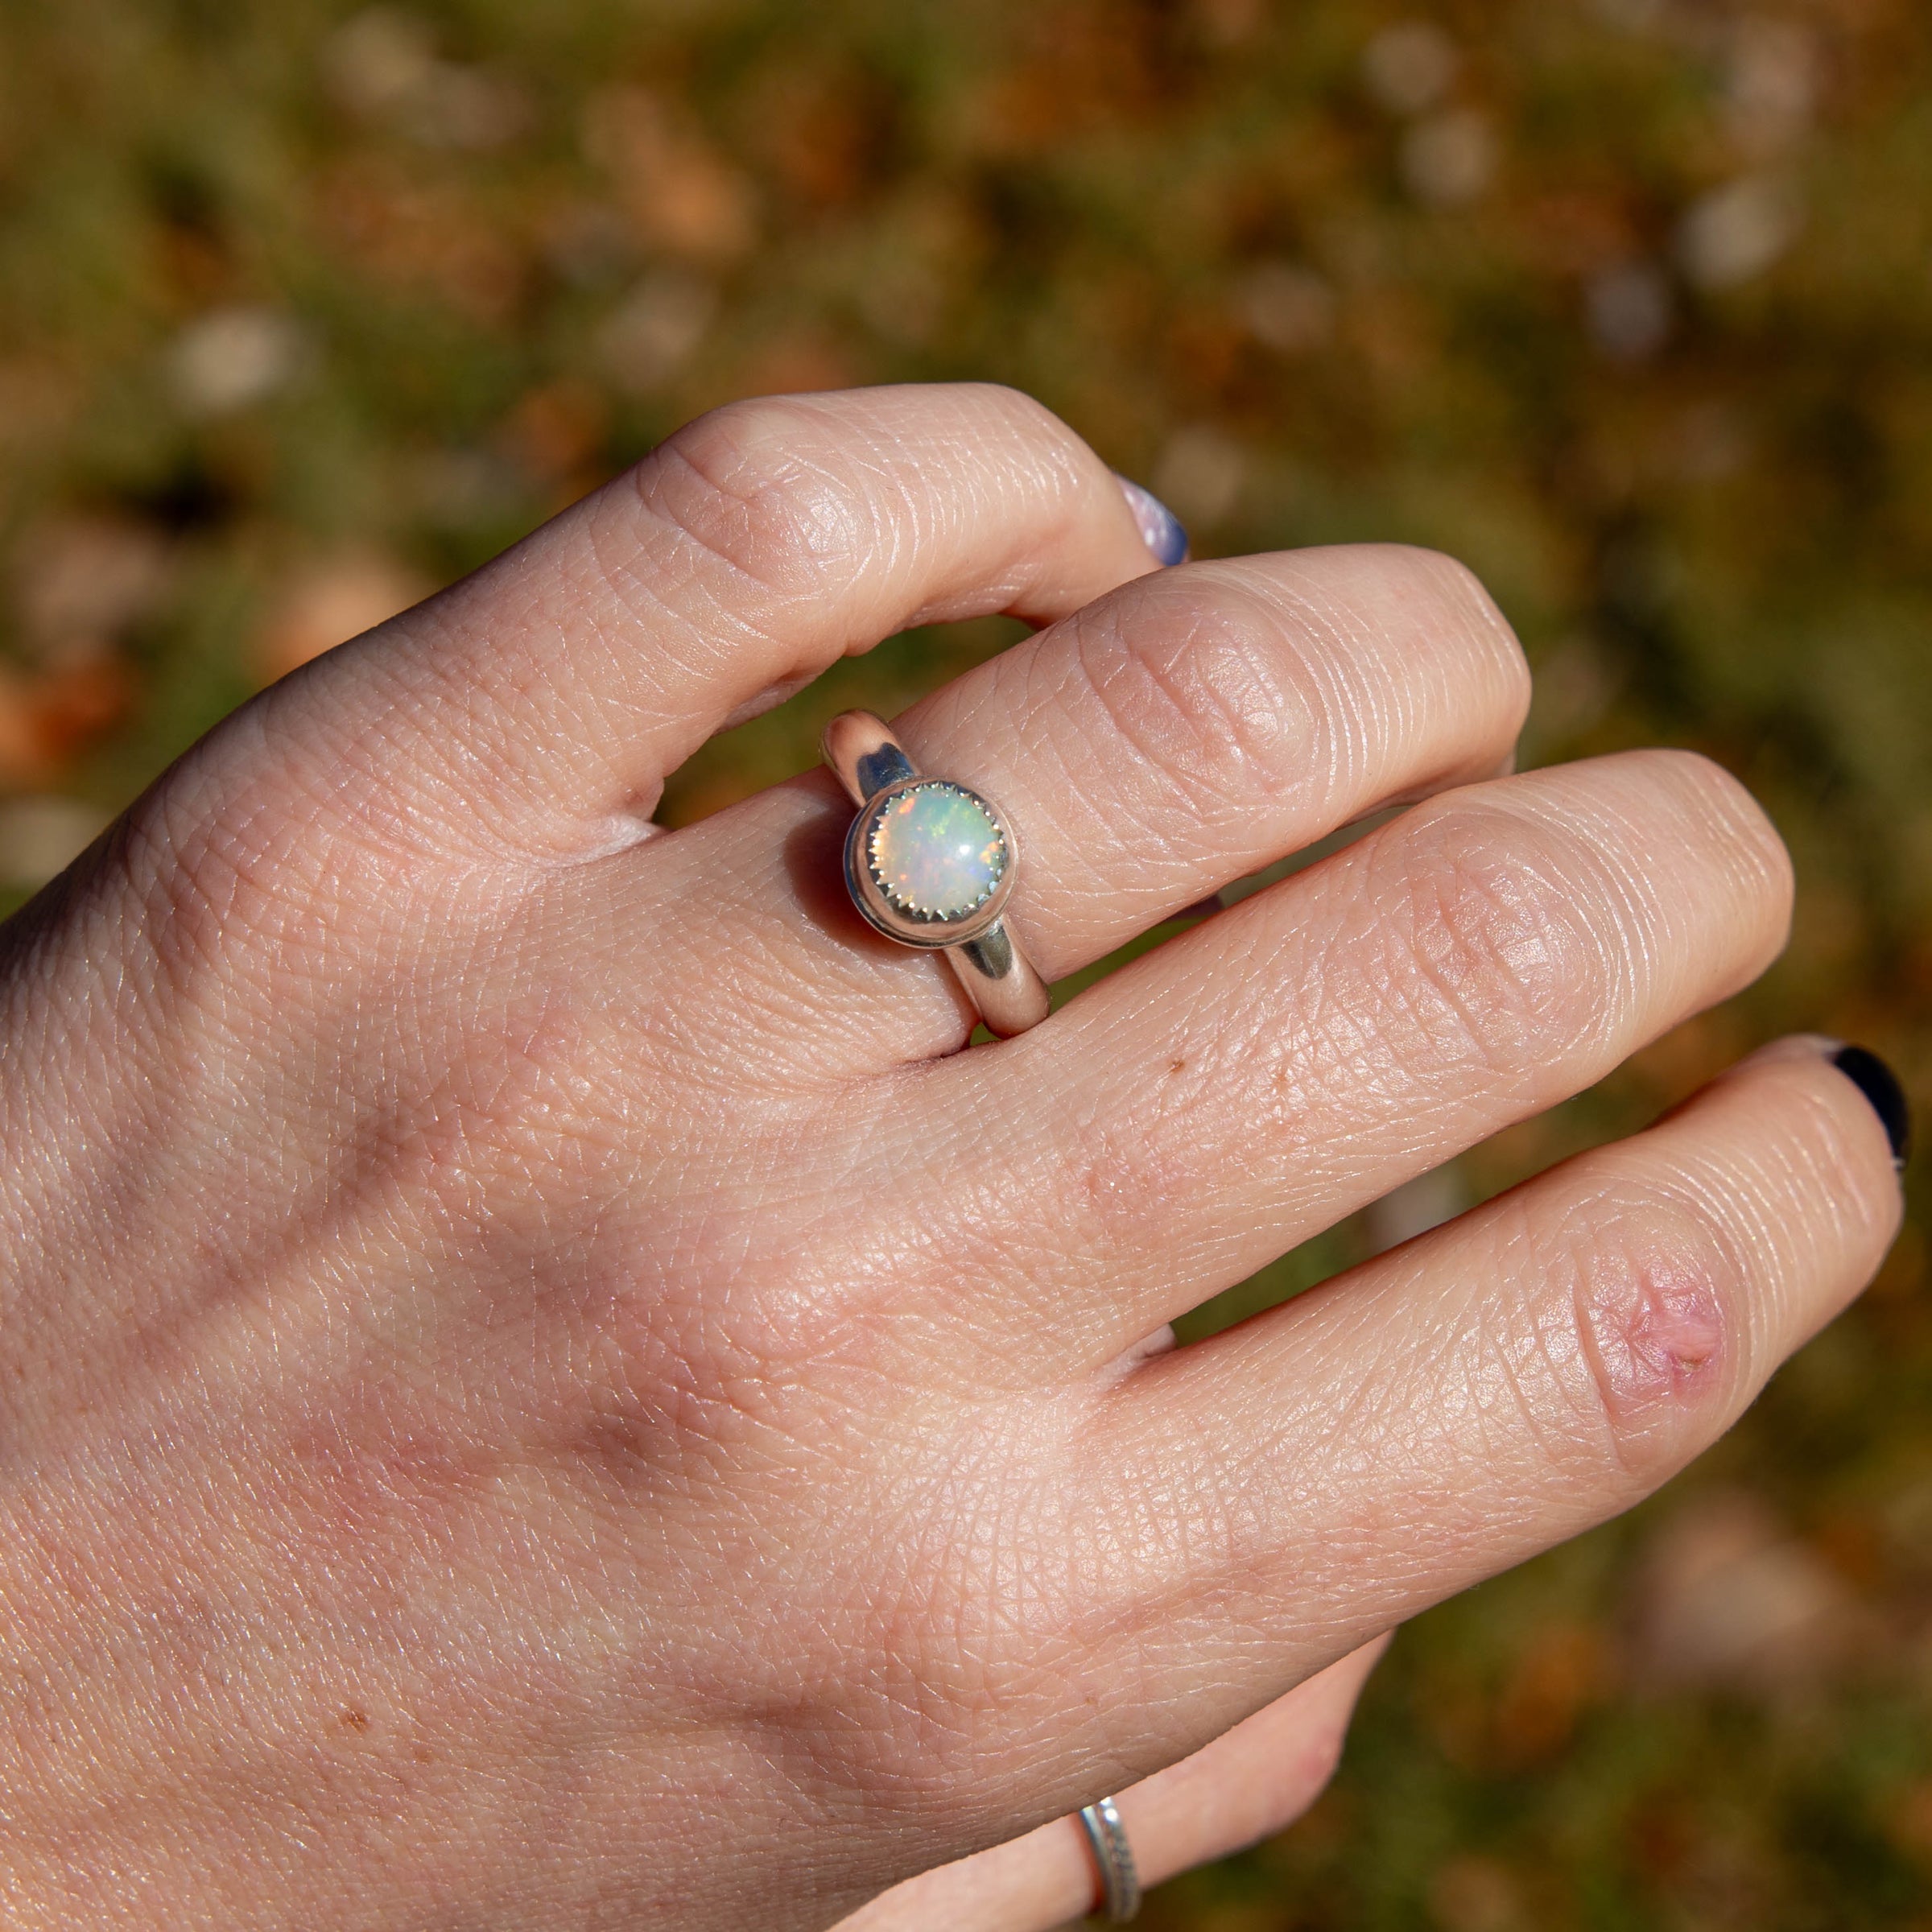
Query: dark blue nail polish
1160, 528
1880, 1085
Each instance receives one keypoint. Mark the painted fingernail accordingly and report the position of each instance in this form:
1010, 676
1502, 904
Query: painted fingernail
1160, 528
1880, 1085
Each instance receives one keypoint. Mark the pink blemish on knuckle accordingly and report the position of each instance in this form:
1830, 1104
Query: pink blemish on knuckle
1655, 1332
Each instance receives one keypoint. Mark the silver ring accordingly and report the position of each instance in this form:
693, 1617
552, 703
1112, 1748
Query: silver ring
931, 864
1120, 1882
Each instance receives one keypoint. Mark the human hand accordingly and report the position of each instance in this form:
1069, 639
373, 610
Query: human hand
545, 1390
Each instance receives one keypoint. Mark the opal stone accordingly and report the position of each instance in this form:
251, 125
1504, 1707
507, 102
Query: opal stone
936, 852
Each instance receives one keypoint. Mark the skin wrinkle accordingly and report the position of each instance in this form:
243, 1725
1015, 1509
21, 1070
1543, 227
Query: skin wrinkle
763, 511
1062, 717
460, 781
1399, 700
1492, 953
1056, 466
1049, 687
659, 602
1632, 959
1202, 711
894, 541
1343, 728
1828, 1168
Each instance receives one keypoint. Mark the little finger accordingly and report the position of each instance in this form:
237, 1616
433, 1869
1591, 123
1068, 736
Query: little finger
1249, 1782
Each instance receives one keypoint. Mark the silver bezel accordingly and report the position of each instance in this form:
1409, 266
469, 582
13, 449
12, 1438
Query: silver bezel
908, 929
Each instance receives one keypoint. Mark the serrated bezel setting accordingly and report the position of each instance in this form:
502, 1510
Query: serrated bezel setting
897, 916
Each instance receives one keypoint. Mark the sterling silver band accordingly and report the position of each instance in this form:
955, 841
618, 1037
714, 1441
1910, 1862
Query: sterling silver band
872, 766
1120, 1883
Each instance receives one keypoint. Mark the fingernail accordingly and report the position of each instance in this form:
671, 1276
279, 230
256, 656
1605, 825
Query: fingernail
1160, 528
1880, 1085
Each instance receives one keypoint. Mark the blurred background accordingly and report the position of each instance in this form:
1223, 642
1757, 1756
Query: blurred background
305, 309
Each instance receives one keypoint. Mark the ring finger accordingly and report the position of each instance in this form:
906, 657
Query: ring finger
1216, 1102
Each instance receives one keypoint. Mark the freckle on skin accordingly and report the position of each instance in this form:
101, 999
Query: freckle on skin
355, 1721
1176, 1066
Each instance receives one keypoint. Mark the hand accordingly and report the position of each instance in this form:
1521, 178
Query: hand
544, 1388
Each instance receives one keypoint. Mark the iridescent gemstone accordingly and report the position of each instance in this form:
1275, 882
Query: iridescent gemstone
936, 852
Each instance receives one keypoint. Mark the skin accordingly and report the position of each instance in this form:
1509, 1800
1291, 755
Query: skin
545, 1390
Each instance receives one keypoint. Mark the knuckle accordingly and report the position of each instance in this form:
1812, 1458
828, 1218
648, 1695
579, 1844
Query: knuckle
1191, 675
799, 495
1637, 1323
764, 488
1498, 953
230, 869
1248, 681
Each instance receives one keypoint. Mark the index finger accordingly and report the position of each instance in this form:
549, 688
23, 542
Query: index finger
552, 691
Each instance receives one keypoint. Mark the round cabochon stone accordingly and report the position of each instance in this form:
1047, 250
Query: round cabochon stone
935, 852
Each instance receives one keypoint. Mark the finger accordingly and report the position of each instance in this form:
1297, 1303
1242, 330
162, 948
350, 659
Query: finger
1182, 733
1222, 1099
1243, 1510
546, 696
1191, 729
1248, 1783
1251, 1782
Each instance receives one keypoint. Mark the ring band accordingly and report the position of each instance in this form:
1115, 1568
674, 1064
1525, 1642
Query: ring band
1120, 1882
931, 864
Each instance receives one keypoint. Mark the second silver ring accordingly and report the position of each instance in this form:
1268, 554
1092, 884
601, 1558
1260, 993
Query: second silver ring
1119, 1881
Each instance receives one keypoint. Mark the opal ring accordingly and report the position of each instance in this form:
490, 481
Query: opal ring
932, 864
1107, 1837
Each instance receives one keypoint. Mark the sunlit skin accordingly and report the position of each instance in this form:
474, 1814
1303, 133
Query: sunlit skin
548, 1389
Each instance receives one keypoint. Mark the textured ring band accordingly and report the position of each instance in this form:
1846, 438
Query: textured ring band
932, 864
1120, 1882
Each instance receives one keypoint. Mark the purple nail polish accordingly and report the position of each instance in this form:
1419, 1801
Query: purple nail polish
1160, 528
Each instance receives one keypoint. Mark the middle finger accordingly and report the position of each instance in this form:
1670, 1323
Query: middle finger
1176, 735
